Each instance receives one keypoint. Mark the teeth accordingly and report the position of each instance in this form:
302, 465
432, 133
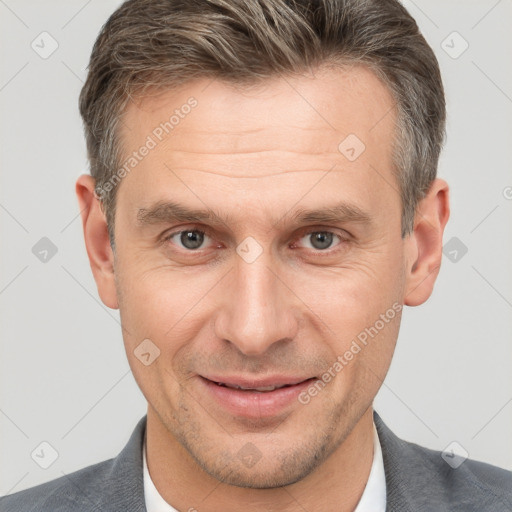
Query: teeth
262, 388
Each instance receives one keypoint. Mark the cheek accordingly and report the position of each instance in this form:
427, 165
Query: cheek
164, 307
358, 307
353, 295
164, 304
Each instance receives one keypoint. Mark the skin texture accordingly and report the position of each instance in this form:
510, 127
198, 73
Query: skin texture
255, 155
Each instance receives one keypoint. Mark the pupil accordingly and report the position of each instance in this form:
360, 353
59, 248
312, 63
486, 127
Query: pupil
321, 240
192, 239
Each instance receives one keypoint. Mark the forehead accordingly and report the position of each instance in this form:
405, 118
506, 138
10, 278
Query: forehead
211, 136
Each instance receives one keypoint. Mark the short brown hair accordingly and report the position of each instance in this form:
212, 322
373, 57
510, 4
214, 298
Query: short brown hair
165, 43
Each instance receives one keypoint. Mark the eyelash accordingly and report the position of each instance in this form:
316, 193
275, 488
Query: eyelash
328, 251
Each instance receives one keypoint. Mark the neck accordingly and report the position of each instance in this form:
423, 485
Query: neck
336, 485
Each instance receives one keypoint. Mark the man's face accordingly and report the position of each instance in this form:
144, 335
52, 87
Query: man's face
261, 293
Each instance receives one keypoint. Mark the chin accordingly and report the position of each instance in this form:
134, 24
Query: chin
262, 479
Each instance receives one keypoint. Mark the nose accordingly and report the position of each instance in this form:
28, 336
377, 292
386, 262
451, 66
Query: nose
258, 309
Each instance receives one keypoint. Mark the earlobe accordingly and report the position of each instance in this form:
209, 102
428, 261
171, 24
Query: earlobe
97, 242
426, 243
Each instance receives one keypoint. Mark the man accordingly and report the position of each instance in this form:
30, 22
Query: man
263, 202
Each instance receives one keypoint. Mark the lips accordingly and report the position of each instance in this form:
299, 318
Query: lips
255, 399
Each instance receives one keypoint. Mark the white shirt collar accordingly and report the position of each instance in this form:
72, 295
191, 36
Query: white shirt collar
373, 498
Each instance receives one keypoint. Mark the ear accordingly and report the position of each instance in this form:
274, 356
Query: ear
97, 243
425, 243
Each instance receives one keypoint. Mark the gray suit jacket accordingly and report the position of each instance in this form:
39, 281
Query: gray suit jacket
417, 480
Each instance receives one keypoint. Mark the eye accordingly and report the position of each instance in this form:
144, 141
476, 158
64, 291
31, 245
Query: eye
319, 240
190, 239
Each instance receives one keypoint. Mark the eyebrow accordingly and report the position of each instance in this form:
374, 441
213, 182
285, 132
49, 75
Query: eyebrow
169, 212
341, 212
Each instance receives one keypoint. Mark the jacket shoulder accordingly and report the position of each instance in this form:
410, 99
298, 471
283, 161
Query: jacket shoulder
419, 479
114, 485
64, 494
465, 484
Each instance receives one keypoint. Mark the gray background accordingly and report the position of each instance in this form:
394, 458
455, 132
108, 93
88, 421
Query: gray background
64, 374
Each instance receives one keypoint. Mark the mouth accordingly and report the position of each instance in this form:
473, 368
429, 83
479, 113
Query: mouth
255, 399
261, 389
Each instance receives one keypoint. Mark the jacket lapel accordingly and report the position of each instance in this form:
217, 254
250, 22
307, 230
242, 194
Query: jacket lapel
125, 489
412, 478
